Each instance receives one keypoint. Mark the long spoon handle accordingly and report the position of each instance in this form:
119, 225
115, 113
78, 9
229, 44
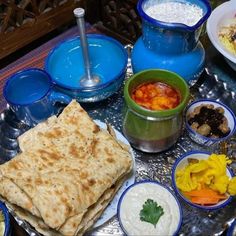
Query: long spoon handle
79, 14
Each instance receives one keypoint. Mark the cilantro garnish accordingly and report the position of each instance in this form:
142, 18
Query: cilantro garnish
151, 212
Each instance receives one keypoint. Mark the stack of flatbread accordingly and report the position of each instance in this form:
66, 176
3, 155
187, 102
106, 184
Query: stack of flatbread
67, 173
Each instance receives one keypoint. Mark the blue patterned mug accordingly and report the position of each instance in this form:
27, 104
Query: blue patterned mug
31, 97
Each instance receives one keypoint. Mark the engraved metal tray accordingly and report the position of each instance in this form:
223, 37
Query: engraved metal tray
149, 166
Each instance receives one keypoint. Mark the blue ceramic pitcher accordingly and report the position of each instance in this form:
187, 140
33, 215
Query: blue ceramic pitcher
171, 46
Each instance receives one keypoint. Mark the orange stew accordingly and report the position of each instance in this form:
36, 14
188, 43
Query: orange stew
156, 96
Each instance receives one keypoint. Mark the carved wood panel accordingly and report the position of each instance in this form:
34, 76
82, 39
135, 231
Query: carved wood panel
22, 21
119, 17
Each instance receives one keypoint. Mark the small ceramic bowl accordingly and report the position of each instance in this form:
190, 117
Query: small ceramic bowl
203, 140
181, 163
6, 215
217, 19
108, 60
232, 229
132, 202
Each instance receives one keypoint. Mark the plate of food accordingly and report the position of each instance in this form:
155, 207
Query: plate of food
221, 27
67, 173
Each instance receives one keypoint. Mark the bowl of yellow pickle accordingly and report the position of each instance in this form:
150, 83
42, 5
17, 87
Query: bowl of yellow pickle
204, 180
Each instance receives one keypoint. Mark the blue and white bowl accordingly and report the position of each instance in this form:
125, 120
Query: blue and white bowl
6, 216
232, 229
181, 163
131, 203
108, 61
200, 139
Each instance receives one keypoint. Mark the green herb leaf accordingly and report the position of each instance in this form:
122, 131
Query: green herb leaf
151, 212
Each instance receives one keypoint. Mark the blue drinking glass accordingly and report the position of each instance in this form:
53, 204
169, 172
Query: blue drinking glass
31, 96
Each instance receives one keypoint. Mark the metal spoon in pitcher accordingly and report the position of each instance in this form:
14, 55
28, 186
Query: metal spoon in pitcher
88, 80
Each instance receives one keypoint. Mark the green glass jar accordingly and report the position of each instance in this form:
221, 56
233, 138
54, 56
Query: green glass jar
148, 130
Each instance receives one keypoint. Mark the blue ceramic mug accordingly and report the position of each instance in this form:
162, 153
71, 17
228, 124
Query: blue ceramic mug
31, 97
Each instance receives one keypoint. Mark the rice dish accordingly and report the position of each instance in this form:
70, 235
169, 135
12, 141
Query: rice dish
227, 36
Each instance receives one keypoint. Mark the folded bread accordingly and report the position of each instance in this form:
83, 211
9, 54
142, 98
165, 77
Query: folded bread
67, 173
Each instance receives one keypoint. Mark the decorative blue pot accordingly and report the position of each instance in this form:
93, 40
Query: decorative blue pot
170, 46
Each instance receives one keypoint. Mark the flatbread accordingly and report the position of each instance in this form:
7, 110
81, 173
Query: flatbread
68, 168
71, 226
29, 138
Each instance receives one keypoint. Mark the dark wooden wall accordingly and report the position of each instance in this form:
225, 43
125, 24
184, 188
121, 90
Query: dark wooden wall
23, 21
118, 18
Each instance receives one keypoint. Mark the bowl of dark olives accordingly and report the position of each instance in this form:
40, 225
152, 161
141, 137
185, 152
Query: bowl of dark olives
209, 121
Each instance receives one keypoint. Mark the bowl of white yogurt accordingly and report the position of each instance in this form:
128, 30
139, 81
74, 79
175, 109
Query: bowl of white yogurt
149, 208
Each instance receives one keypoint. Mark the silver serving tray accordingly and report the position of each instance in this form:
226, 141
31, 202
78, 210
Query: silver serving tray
149, 166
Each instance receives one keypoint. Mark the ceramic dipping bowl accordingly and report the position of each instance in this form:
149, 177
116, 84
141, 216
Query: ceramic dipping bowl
198, 137
6, 220
108, 60
232, 229
181, 163
131, 205
153, 131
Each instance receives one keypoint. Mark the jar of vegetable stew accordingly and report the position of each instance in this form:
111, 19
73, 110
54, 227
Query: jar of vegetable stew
153, 114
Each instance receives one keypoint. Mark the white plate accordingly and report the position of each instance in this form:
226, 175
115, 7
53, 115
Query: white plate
111, 209
220, 16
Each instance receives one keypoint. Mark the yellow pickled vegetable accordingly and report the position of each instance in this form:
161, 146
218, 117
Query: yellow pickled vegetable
185, 182
220, 183
218, 163
232, 186
185, 179
210, 173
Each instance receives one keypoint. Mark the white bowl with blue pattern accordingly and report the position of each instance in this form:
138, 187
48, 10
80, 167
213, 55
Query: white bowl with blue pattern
203, 140
232, 229
6, 223
181, 162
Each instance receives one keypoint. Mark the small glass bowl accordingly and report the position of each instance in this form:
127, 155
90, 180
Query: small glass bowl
180, 163
203, 140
